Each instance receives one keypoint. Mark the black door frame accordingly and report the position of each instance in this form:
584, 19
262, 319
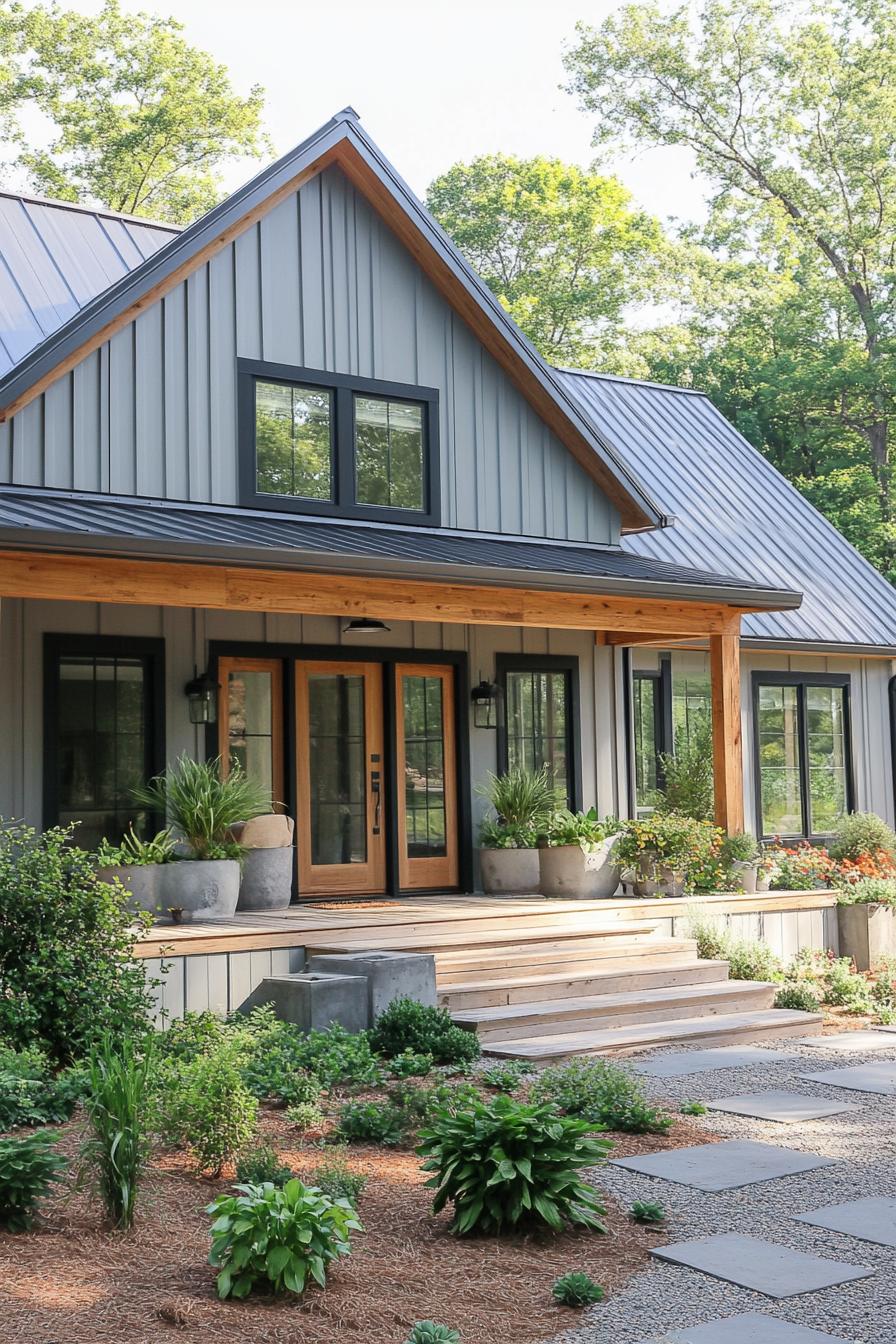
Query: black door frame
389, 657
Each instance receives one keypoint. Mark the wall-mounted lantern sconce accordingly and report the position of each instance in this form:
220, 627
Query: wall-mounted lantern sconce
485, 705
202, 696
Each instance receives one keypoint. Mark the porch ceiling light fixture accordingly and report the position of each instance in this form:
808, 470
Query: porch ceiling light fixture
365, 625
485, 704
202, 696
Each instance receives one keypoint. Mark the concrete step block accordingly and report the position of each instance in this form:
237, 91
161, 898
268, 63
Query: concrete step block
389, 975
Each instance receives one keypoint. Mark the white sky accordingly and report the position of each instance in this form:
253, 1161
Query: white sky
433, 82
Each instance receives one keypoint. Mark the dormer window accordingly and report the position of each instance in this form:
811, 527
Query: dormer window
313, 442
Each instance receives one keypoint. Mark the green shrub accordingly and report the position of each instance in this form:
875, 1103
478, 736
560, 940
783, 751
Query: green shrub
30, 1094
191, 1035
692, 1108
860, 833
422, 1103
204, 1105
603, 1093
301, 1063
202, 804
846, 988
740, 847
67, 968
257, 1166
644, 1211
28, 1168
372, 1122
335, 1178
428, 1332
277, 1239
409, 1025
867, 891
670, 840
118, 1106
410, 1065
688, 775
305, 1115
751, 961
576, 1290
503, 1164
798, 995
507, 1076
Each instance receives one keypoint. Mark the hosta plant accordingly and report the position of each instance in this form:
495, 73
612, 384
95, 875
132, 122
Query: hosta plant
577, 1290
28, 1167
277, 1239
645, 1211
503, 1163
428, 1332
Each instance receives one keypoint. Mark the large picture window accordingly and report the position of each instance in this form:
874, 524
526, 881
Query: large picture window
316, 442
103, 732
803, 752
540, 719
671, 707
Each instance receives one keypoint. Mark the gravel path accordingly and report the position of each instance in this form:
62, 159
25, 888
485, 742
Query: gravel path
669, 1297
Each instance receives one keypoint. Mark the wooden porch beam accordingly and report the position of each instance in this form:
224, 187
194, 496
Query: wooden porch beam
727, 750
82, 578
631, 637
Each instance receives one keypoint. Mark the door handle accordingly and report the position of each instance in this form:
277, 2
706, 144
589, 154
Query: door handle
377, 795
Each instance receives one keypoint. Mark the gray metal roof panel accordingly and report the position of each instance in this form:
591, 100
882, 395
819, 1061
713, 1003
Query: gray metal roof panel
51, 518
737, 514
55, 259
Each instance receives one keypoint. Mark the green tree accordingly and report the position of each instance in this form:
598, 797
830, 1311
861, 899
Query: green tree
140, 121
790, 115
563, 249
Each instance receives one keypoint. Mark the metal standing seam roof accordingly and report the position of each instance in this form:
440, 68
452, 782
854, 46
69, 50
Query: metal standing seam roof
46, 518
738, 514
55, 258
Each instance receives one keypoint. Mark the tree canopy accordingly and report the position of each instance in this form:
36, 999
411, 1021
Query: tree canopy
140, 121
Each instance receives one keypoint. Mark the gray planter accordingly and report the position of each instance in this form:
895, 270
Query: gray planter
867, 933
576, 874
267, 879
657, 880
141, 881
202, 888
763, 881
509, 872
746, 872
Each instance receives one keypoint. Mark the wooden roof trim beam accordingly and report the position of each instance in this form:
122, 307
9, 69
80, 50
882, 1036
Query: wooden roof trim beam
80, 578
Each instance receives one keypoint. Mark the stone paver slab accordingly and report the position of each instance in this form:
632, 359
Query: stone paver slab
723, 1166
701, 1061
867, 1219
750, 1328
787, 1108
878, 1077
851, 1042
777, 1271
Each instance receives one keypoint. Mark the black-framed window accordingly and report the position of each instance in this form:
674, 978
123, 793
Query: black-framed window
802, 751
650, 710
540, 721
315, 442
103, 731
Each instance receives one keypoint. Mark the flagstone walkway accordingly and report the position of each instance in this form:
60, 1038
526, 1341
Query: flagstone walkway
783, 1233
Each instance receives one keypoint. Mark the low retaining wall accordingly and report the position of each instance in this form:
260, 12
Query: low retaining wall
218, 982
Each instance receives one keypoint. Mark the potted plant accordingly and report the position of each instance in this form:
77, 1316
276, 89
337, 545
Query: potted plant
740, 858
268, 861
766, 870
521, 801
666, 852
201, 807
576, 855
135, 863
865, 920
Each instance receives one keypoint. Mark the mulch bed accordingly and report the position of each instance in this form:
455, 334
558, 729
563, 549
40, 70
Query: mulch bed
71, 1282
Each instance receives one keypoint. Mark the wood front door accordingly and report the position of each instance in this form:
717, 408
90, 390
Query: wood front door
425, 768
340, 781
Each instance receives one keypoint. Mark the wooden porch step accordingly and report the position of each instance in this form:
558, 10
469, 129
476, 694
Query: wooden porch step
535, 986
461, 939
727, 1029
515, 962
605, 1011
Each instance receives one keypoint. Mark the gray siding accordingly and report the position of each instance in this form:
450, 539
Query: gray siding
320, 282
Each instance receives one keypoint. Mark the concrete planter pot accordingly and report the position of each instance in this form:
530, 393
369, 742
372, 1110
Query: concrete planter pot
576, 874
867, 933
746, 871
656, 881
763, 881
509, 872
141, 881
201, 888
267, 879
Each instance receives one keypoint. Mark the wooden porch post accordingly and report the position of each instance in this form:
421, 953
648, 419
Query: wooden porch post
727, 750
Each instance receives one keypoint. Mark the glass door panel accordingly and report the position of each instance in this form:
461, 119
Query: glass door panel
427, 786
250, 720
339, 749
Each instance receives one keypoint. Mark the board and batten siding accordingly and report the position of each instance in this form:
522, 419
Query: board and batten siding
321, 283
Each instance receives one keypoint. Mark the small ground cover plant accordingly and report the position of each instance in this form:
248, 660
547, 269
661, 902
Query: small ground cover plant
428, 1332
335, 1178
118, 1107
30, 1092
28, 1169
372, 1122
799, 996
647, 1212
504, 1164
418, 1027
603, 1093
203, 1104
576, 1290
506, 1076
277, 1239
305, 1115
263, 1164
409, 1064
690, 1107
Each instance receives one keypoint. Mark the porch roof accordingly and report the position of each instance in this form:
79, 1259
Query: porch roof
71, 521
